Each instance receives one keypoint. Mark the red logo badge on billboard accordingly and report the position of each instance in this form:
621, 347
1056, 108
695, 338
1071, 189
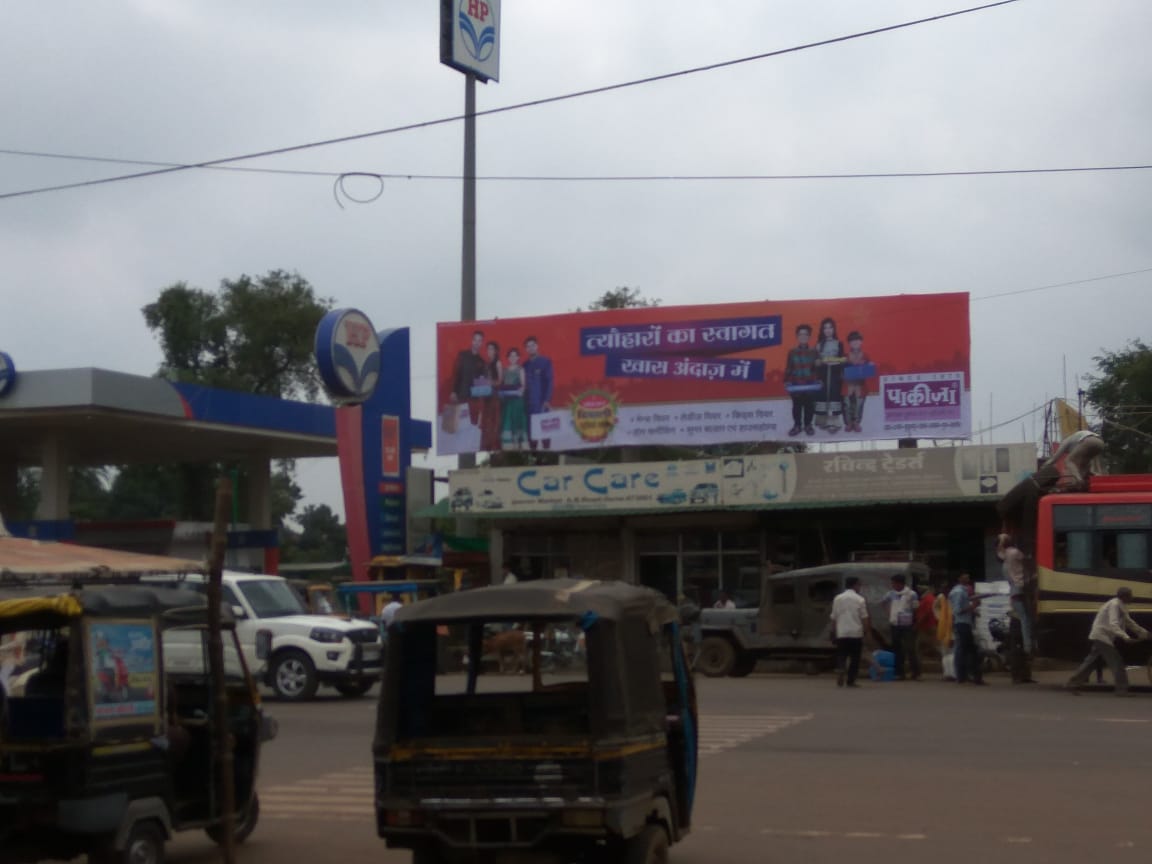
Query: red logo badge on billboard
850, 369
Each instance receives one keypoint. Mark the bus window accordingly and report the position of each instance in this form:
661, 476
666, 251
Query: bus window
1132, 551
1079, 549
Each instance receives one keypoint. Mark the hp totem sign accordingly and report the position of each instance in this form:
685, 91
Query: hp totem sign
367, 376
470, 37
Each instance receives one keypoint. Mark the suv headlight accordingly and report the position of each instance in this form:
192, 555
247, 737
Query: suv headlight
323, 634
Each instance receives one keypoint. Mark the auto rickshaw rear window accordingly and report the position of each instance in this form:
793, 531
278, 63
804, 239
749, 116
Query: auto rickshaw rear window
519, 678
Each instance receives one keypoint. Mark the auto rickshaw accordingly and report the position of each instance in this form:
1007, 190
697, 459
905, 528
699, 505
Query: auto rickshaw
593, 758
106, 723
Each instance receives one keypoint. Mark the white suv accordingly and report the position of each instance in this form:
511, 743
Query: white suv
307, 650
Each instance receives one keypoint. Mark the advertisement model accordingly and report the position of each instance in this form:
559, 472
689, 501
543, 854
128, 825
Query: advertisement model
856, 369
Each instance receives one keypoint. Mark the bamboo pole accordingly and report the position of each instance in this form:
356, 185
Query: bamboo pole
222, 744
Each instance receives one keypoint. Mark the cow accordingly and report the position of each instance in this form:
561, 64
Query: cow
508, 645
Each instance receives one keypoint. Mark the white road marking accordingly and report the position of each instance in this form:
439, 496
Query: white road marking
719, 732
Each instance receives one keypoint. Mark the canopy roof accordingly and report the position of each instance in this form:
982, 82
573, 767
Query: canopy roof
177, 606
543, 598
37, 560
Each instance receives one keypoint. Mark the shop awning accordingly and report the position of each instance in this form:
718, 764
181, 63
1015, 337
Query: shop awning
24, 558
594, 512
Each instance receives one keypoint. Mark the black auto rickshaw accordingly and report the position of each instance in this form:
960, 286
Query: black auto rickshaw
106, 717
584, 753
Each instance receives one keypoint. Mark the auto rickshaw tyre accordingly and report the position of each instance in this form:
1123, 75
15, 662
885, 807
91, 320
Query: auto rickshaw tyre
650, 846
717, 657
144, 845
294, 665
244, 826
354, 691
429, 853
744, 666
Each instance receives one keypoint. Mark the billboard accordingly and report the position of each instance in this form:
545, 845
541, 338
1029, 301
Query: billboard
851, 369
470, 37
779, 479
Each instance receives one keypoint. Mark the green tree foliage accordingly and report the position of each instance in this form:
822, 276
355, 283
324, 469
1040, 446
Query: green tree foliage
1121, 395
322, 537
254, 335
622, 297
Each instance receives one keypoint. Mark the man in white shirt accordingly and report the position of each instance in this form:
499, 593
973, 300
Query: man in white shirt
1112, 622
388, 613
510, 577
849, 628
723, 601
901, 603
1016, 576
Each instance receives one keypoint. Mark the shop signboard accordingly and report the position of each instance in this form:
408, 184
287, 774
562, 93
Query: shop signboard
746, 481
856, 369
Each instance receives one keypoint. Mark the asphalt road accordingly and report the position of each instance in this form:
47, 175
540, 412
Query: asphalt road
795, 770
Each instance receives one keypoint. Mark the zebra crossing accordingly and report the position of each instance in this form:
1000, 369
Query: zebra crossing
347, 795
720, 732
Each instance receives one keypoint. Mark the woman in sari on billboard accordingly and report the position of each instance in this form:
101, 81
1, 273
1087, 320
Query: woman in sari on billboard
514, 416
491, 418
830, 359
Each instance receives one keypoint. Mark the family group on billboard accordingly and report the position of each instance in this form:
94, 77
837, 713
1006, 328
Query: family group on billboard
501, 392
698, 375
827, 384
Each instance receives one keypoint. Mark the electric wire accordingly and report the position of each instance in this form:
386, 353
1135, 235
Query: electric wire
548, 100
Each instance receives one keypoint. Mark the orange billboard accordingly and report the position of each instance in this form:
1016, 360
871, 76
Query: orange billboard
854, 369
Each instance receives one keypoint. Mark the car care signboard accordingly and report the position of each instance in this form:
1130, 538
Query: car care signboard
746, 481
856, 369
122, 671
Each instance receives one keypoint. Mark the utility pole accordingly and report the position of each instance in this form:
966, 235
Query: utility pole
468, 250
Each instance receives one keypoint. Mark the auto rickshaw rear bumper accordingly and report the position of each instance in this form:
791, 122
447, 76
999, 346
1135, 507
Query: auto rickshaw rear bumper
507, 823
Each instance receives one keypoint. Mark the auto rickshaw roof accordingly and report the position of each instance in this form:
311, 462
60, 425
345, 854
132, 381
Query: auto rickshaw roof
544, 598
402, 586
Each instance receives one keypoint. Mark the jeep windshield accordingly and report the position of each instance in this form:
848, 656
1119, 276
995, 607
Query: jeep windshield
271, 598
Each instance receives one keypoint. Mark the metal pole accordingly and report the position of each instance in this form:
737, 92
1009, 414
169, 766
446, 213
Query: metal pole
468, 252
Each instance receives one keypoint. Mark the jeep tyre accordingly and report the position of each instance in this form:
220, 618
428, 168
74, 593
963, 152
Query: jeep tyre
293, 676
717, 657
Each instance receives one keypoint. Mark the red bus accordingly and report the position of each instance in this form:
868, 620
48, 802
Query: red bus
1088, 544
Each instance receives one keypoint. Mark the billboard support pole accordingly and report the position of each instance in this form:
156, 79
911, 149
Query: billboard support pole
468, 252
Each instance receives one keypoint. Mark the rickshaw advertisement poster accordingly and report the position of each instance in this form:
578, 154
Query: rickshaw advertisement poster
745, 481
851, 369
122, 671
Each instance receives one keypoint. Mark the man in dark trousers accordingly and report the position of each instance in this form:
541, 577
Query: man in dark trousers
849, 628
963, 604
537, 388
469, 366
1112, 623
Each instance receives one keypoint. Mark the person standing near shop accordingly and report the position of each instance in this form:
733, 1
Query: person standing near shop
849, 628
1017, 578
1112, 622
901, 603
963, 605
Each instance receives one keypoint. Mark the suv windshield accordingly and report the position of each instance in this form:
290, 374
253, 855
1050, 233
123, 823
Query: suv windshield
270, 598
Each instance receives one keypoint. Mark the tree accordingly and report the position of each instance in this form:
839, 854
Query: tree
322, 537
1121, 395
621, 297
253, 335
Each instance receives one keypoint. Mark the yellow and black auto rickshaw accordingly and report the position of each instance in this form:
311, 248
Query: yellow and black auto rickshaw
106, 723
567, 728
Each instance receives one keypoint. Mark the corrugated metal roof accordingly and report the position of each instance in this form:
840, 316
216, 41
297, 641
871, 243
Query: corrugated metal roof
21, 557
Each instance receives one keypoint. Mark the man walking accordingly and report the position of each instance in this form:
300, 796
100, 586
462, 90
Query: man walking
901, 603
963, 606
1112, 622
849, 625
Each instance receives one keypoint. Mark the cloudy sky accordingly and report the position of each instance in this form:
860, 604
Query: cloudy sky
1034, 84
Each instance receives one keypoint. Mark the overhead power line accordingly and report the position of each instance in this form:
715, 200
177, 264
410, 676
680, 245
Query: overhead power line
212, 163
595, 178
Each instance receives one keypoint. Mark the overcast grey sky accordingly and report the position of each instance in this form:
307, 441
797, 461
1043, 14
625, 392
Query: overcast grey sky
1036, 84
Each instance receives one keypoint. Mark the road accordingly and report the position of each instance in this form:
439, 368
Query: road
794, 769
